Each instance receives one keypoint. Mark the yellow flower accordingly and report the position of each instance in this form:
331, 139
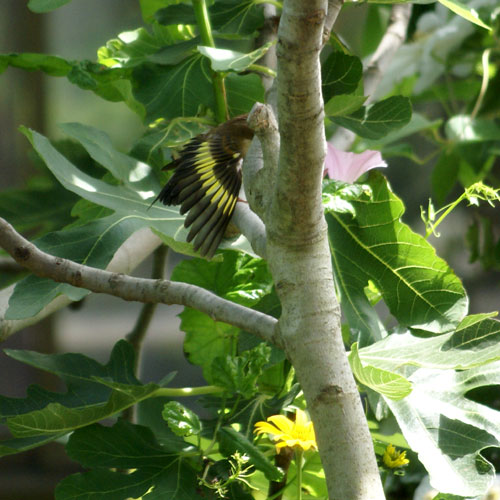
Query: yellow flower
394, 459
286, 432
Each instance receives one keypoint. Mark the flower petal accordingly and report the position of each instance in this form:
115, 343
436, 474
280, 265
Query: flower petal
348, 167
282, 423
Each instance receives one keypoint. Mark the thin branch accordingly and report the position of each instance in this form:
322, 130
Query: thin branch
252, 227
129, 255
332, 13
394, 37
134, 289
392, 40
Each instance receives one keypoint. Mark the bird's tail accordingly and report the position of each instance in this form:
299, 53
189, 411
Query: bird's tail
206, 183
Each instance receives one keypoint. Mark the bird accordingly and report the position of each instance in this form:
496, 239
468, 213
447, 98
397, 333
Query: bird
206, 182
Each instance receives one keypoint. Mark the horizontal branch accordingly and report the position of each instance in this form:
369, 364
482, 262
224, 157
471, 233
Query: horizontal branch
129, 255
134, 289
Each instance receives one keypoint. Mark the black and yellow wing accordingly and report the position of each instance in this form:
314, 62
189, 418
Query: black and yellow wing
206, 182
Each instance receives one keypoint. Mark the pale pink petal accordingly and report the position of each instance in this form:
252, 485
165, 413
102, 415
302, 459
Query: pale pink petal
347, 167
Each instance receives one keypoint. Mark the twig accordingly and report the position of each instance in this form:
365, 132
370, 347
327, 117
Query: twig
393, 38
135, 289
332, 13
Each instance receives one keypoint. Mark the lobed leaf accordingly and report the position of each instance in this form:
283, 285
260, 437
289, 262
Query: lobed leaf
419, 288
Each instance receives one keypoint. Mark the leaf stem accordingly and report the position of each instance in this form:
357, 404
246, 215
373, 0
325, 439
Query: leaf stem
259, 68
181, 392
203, 22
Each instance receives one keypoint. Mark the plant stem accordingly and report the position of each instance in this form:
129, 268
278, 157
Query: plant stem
447, 210
203, 22
298, 464
259, 68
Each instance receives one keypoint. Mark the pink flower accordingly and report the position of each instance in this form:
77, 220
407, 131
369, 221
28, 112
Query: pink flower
348, 167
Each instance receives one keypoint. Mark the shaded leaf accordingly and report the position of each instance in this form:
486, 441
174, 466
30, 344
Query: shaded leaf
40, 6
125, 446
173, 91
340, 74
378, 120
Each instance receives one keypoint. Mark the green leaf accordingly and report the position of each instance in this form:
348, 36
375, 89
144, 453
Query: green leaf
18, 445
32, 208
390, 384
475, 342
181, 420
40, 6
419, 288
231, 441
463, 128
173, 91
378, 120
123, 167
444, 175
342, 105
439, 421
231, 60
98, 446
340, 74
418, 123
448, 430
239, 374
243, 91
176, 14
125, 446
94, 392
243, 17
240, 278
464, 11
206, 339
52, 65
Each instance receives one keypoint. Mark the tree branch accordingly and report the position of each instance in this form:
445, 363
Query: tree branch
131, 288
393, 38
130, 254
252, 227
332, 13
